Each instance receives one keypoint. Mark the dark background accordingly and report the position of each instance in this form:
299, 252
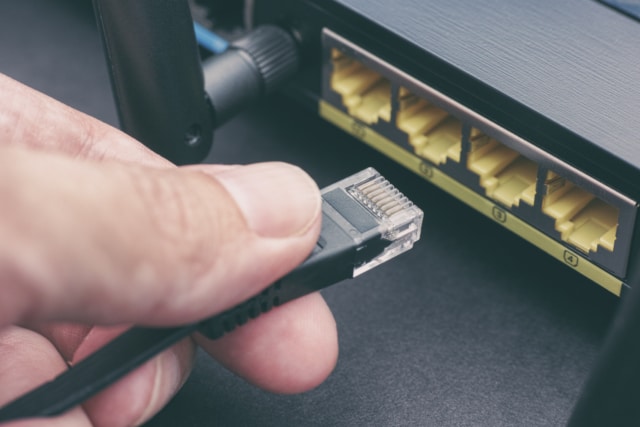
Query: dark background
474, 327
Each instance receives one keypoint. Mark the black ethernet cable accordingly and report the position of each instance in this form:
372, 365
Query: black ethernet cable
366, 221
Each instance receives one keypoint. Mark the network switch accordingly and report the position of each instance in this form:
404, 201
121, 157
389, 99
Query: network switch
554, 203
490, 126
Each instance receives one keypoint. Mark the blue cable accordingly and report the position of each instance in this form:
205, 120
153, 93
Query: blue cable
631, 8
209, 40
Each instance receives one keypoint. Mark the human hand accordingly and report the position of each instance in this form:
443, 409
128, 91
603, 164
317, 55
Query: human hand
97, 230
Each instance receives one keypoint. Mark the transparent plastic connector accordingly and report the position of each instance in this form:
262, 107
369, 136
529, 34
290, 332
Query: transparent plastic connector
395, 222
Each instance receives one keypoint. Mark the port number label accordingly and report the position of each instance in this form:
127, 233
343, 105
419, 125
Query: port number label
426, 170
571, 258
499, 214
358, 129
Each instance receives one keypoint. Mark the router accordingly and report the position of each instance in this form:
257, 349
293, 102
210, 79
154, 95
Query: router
527, 112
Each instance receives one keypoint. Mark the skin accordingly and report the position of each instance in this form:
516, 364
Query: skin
98, 233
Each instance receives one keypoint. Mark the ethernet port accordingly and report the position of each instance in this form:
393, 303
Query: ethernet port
506, 175
365, 93
433, 133
582, 219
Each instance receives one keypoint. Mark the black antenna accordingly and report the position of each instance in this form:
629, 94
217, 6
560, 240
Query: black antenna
610, 395
156, 75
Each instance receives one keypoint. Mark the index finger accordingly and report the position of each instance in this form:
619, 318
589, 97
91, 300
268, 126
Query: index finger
32, 119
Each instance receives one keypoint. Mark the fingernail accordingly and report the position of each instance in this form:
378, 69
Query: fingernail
276, 199
171, 370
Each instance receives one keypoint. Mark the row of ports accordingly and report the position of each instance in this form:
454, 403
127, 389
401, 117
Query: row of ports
504, 175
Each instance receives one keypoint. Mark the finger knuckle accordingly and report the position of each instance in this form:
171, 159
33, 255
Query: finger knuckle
183, 223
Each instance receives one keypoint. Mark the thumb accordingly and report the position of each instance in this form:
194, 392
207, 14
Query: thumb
113, 243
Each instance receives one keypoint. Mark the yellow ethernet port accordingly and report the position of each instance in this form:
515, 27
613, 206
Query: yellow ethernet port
582, 219
365, 93
506, 175
434, 134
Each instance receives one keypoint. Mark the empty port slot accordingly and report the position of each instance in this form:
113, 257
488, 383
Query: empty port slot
506, 175
434, 134
582, 219
365, 93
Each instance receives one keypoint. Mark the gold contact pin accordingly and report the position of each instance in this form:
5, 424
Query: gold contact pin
380, 197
